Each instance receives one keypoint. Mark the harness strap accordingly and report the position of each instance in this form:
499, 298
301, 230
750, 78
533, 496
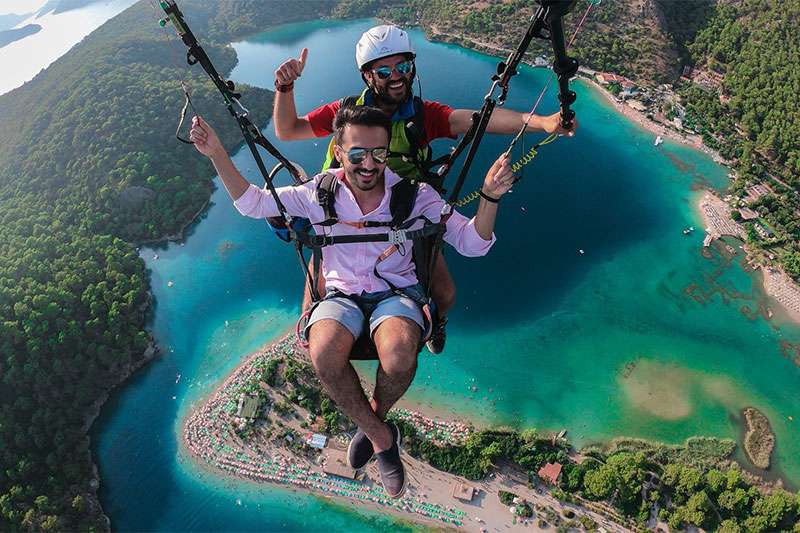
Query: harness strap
326, 197
393, 236
251, 133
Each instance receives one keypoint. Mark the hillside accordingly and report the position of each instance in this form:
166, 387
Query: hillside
89, 167
631, 38
752, 115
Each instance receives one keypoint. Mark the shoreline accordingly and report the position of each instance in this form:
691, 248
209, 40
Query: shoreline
204, 438
782, 291
640, 119
779, 287
255, 459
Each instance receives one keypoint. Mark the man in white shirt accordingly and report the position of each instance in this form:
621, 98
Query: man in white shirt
362, 299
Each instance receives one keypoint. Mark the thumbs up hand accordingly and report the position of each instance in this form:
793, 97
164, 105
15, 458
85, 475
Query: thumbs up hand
291, 69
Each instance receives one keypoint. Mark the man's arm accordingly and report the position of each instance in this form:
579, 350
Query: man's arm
472, 237
288, 126
507, 121
498, 181
207, 143
248, 199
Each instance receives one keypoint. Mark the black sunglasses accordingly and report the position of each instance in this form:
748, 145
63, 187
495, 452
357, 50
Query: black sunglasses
385, 72
358, 155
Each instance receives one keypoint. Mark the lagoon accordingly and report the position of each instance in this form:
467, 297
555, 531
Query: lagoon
542, 335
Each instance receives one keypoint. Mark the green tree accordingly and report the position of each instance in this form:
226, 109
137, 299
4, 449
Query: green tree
599, 484
729, 525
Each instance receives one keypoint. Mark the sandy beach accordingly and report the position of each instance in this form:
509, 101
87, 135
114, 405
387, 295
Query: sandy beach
207, 434
715, 212
695, 141
777, 284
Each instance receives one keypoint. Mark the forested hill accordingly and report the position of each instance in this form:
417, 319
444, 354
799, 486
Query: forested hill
640, 39
752, 115
89, 166
743, 57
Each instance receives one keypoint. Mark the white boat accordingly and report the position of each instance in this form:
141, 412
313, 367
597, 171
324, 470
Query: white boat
658, 140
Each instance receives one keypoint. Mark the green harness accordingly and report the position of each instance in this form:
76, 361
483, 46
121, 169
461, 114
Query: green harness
409, 156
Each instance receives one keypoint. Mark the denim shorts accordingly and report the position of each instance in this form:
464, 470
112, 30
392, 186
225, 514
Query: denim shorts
378, 306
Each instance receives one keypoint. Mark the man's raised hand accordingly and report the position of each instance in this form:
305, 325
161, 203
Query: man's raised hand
205, 138
499, 179
291, 69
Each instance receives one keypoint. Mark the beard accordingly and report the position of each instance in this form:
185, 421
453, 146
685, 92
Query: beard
362, 182
384, 95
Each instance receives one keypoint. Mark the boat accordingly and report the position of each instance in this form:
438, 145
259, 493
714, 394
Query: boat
581, 251
688, 230
562, 434
170, 283
658, 140
177, 378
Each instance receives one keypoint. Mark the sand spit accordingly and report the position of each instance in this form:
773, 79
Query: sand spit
275, 449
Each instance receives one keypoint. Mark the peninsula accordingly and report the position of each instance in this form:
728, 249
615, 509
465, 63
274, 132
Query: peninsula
270, 422
9, 36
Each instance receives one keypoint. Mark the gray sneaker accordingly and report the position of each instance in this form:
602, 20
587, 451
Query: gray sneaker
393, 474
360, 450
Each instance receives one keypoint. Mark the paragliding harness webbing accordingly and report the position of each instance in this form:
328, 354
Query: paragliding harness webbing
283, 225
546, 23
251, 133
401, 205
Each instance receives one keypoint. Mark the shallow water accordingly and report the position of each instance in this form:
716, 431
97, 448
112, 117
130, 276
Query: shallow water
546, 336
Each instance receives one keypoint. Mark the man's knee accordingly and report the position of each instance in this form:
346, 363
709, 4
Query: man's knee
329, 345
397, 341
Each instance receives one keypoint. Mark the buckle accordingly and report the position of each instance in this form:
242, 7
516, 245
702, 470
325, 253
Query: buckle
397, 237
319, 241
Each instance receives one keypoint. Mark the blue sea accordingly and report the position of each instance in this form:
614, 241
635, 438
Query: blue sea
542, 335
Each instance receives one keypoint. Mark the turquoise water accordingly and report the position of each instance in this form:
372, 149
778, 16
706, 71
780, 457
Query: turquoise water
542, 332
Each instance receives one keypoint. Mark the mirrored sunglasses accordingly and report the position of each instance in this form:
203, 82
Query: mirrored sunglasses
358, 155
402, 68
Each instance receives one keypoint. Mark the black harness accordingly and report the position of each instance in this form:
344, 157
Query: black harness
399, 236
425, 241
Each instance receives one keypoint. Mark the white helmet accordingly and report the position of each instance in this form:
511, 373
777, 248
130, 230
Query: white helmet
382, 41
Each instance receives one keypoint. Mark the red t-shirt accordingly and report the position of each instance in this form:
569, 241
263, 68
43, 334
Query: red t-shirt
437, 120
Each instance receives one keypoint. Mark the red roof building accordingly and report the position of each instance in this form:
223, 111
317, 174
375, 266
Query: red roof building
550, 472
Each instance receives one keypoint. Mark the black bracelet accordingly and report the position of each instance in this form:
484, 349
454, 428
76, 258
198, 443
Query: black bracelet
284, 88
488, 198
